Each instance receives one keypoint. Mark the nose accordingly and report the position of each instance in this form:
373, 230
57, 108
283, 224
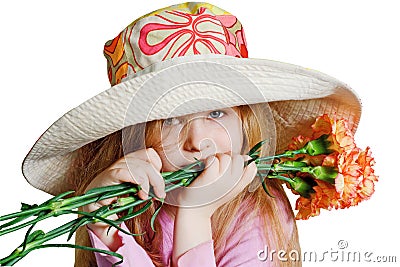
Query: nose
199, 139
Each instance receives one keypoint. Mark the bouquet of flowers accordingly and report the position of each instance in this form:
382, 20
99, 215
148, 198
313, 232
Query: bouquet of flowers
327, 170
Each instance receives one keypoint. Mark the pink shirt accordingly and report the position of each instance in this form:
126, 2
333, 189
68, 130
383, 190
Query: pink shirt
242, 244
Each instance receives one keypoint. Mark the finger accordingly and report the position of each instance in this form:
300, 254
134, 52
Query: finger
212, 172
156, 181
243, 176
136, 175
237, 166
96, 205
144, 192
239, 175
105, 202
121, 175
144, 173
143, 195
138, 154
154, 159
147, 155
129, 163
250, 171
144, 185
225, 162
209, 174
118, 175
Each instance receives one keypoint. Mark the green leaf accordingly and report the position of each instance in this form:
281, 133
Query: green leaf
25, 206
153, 218
27, 235
264, 185
132, 214
106, 189
83, 221
27, 213
112, 223
34, 236
23, 225
255, 148
10, 260
15, 221
58, 197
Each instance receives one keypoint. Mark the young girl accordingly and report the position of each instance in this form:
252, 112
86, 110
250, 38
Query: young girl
238, 221
184, 89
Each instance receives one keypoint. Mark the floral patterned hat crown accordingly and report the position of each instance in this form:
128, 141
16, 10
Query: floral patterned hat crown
179, 30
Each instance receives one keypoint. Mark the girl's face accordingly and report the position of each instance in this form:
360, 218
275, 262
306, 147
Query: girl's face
199, 136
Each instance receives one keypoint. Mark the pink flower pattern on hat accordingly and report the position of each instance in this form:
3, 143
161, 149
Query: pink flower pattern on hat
172, 33
229, 21
183, 38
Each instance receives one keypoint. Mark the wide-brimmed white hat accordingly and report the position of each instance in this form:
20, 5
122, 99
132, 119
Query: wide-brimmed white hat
180, 60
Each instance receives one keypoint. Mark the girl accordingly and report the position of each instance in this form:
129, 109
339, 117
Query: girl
204, 135
239, 222
183, 88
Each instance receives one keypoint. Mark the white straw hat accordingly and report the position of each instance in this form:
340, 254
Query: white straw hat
181, 60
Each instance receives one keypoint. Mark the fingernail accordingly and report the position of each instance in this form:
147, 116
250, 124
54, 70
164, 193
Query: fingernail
247, 157
144, 195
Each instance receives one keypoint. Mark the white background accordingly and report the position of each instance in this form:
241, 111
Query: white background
51, 61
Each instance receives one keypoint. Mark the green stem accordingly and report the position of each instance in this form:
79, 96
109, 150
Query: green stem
287, 154
280, 177
27, 213
20, 226
19, 253
173, 180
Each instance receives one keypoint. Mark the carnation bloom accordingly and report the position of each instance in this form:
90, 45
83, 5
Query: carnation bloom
364, 187
324, 197
338, 131
355, 178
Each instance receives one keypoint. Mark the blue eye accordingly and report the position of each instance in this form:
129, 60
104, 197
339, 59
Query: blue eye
216, 114
171, 121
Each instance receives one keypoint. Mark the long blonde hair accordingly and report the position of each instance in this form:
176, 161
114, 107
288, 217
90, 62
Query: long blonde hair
280, 230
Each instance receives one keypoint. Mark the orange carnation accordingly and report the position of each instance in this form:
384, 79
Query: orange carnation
355, 180
340, 136
325, 197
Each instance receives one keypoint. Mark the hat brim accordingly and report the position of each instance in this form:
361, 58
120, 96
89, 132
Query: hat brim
295, 94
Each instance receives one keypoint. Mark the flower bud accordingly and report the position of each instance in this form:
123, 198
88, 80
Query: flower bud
318, 146
301, 186
327, 174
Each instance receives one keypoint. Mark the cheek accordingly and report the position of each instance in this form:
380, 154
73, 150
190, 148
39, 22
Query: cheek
236, 135
170, 151
231, 138
237, 140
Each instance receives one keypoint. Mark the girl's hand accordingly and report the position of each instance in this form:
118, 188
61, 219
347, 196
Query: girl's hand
141, 167
223, 179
